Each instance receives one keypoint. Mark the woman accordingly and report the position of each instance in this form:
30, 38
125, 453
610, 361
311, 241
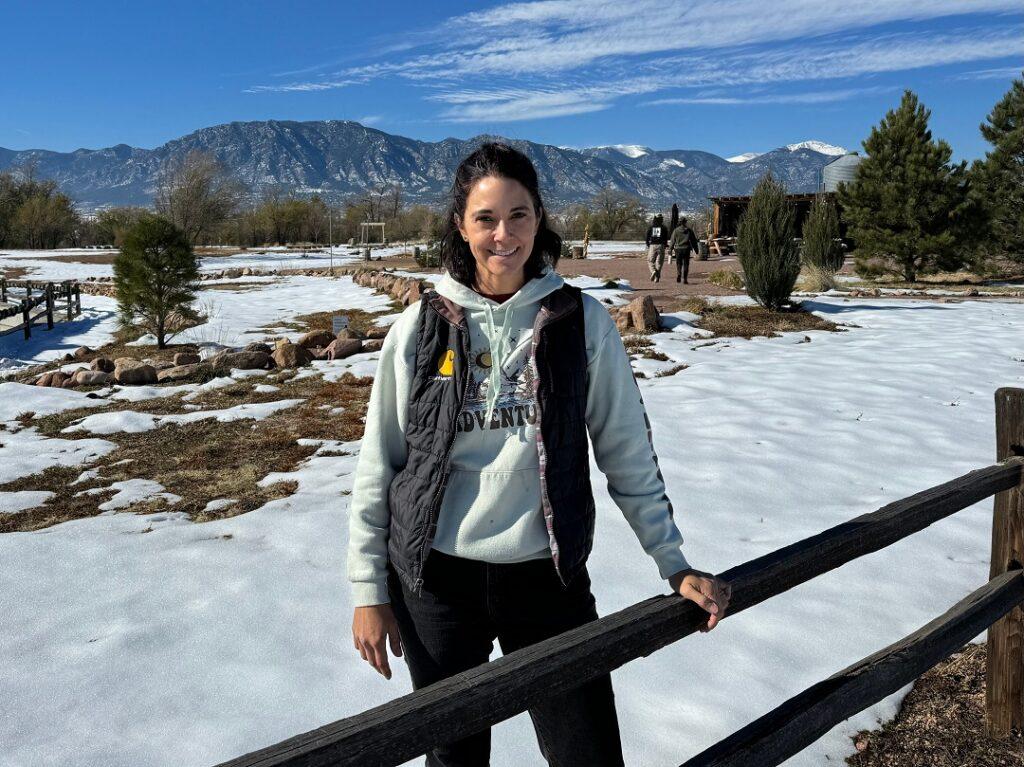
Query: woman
472, 515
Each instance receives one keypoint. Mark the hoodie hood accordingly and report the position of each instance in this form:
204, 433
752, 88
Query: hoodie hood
495, 319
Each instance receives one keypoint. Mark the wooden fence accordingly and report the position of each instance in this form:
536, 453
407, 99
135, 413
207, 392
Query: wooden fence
47, 294
453, 708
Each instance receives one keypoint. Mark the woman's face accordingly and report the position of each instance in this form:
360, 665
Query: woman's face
499, 224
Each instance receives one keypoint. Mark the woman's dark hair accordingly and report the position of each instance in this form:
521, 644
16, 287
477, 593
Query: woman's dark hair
494, 159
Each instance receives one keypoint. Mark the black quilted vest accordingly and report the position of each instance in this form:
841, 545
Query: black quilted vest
435, 401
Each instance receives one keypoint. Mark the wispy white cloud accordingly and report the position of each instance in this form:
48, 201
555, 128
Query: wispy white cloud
369, 119
1000, 73
528, 60
810, 97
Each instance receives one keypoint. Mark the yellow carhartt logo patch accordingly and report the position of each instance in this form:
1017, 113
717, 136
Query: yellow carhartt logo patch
446, 365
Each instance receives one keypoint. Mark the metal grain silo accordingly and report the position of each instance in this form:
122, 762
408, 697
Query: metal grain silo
842, 169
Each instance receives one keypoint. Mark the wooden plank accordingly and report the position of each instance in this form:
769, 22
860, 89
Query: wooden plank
803, 719
1004, 691
410, 725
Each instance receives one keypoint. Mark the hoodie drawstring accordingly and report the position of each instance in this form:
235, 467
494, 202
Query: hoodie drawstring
499, 349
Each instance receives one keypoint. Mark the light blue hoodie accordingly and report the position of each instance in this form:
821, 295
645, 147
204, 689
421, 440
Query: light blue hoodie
491, 510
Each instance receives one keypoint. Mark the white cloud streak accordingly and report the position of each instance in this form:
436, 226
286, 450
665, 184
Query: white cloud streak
577, 56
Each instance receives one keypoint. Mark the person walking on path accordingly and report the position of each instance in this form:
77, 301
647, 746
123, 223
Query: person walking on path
472, 515
682, 244
657, 237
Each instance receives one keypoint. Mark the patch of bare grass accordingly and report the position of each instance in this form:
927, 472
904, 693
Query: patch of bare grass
670, 371
358, 320
941, 723
751, 321
635, 343
205, 460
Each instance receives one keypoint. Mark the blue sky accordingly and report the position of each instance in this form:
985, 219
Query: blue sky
726, 76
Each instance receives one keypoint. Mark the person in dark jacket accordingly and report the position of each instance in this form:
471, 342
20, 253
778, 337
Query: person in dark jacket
682, 244
471, 513
657, 237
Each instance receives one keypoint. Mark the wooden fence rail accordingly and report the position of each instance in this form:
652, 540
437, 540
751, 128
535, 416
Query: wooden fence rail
801, 720
463, 704
50, 293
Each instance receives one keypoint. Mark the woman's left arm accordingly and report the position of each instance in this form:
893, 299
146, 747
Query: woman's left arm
620, 432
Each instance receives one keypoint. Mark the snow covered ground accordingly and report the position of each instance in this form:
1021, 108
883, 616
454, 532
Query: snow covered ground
150, 640
235, 317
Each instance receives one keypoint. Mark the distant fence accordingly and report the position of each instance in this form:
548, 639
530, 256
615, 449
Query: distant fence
28, 296
466, 703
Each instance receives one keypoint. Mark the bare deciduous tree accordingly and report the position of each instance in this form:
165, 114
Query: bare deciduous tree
196, 194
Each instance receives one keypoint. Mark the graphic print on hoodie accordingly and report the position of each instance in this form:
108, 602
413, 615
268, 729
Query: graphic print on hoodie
515, 405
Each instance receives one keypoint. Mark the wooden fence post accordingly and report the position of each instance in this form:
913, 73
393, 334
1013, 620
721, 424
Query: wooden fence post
78, 298
3, 290
1004, 693
67, 290
49, 306
26, 308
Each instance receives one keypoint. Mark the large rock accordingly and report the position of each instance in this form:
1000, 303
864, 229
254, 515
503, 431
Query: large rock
291, 356
81, 352
644, 315
182, 372
376, 331
373, 344
348, 334
343, 347
316, 339
92, 378
256, 346
226, 361
185, 358
54, 378
104, 364
623, 321
414, 294
129, 372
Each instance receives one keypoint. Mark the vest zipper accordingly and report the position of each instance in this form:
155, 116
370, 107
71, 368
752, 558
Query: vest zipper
435, 504
545, 502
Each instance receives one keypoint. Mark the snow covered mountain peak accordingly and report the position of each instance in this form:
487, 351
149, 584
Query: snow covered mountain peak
818, 146
630, 150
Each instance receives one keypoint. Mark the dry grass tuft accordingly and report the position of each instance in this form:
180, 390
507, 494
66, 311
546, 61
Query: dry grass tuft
726, 278
635, 344
941, 723
670, 371
814, 279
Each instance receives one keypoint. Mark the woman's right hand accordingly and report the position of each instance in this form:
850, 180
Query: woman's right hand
372, 628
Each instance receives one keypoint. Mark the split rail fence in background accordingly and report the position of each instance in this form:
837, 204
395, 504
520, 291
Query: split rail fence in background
47, 294
412, 724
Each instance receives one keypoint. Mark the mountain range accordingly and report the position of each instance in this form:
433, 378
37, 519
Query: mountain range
338, 159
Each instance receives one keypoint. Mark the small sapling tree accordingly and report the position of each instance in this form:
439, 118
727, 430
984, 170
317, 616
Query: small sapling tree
767, 250
155, 275
822, 253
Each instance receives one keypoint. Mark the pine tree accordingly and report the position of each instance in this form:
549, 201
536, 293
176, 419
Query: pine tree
155, 275
904, 204
822, 248
767, 250
1001, 174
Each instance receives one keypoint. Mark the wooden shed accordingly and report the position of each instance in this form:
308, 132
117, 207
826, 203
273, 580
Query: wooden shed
727, 211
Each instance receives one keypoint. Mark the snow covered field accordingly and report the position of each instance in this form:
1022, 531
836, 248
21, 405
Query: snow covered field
193, 643
235, 318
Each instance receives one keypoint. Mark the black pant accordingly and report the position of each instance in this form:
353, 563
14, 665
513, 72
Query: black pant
451, 627
682, 265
